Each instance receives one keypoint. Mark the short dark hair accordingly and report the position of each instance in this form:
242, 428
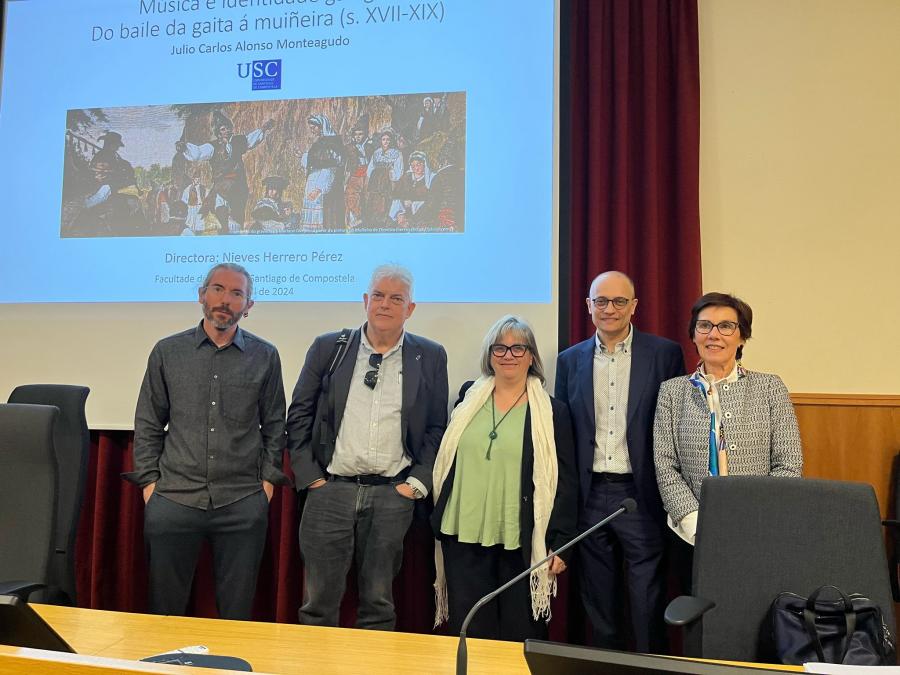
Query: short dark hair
741, 308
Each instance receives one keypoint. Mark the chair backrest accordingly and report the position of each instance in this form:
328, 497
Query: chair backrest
72, 442
760, 536
28, 477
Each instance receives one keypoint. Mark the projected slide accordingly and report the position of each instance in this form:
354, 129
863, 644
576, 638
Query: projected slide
309, 140
322, 156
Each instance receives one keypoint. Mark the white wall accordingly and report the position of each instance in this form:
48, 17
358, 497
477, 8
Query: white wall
800, 184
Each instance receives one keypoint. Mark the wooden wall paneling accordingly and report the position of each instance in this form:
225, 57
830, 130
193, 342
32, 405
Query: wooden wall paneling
851, 437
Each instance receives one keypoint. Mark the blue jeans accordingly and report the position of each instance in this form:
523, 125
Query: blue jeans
341, 521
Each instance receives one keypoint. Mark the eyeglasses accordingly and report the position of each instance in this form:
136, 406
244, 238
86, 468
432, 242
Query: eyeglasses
601, 302
396, 299
724, 327
518, 351
218, 289
371, 377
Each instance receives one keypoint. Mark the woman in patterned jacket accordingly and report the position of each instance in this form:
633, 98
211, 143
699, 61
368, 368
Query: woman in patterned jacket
722, 419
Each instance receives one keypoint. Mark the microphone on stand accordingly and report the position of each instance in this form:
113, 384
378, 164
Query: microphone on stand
626, 506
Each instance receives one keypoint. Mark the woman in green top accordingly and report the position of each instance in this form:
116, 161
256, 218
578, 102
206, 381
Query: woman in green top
505, 491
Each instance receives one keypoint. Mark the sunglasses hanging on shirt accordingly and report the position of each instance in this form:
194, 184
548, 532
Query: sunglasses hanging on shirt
371, 377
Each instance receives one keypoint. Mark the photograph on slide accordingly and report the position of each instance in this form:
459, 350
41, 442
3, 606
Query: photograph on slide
360, 164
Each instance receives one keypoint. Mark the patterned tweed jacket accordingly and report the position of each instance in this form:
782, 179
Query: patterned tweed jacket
760, 435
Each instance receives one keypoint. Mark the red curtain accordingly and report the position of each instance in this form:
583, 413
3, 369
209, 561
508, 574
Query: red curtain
633, 141
111, 566
630, 114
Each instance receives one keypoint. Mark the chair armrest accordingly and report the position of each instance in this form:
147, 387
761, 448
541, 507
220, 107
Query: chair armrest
686, 609
893, 524
20, 589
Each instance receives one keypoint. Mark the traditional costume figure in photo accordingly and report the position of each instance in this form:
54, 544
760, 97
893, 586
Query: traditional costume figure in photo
446, 203
356, 164
115, 206
384, 170
270, 212
193, 197
225, 154
323, 204
427, 123
412, 193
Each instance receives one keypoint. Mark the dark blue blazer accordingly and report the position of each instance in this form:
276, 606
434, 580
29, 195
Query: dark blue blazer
423, 413
653, 361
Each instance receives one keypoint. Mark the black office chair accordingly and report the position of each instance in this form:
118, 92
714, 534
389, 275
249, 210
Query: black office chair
72, 443
28, 487
760, 536
893, 528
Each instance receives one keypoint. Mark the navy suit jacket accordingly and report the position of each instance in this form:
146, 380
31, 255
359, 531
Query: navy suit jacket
423, 413
653, 361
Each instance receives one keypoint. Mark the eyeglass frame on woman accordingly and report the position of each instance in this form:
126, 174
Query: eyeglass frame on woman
495, 348
718, 326
370, 379
601, 302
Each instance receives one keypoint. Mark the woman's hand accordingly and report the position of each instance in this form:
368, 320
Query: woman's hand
557, 566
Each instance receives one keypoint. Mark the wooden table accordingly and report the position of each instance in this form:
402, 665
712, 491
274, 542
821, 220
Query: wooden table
100, 636
276, 647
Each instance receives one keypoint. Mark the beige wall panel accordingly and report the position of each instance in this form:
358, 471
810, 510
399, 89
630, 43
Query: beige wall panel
800, 183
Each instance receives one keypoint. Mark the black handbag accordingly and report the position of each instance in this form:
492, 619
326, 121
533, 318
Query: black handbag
849, 630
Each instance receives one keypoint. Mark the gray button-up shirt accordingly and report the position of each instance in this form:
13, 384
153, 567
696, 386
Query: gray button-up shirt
209, 424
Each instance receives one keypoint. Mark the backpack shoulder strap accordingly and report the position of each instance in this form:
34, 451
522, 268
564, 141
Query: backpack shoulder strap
340, 350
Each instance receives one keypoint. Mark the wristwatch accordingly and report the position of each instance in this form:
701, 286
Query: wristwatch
417, 493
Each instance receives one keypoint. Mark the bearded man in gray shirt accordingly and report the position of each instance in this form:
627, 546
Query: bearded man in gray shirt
364, 426
208, 446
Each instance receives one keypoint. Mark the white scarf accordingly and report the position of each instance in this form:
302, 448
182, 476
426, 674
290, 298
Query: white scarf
544, 476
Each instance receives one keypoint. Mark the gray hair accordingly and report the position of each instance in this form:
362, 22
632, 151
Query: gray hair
233, 267
392, 271
521, 329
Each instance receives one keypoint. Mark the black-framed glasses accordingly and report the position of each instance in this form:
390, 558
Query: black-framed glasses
518, 351
371, 377
600, 302
724, 327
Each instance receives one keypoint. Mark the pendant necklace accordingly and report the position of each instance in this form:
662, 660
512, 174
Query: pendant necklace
493, 434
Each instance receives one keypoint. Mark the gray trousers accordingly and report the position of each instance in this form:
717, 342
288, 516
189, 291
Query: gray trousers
173, 534
341, 521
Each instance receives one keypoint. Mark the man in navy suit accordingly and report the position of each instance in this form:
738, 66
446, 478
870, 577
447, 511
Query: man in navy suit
611, 382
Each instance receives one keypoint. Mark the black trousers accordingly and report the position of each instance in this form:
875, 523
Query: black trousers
473, 571
173, 534
639, 540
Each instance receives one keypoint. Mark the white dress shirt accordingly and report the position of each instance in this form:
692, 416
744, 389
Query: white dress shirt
612, 375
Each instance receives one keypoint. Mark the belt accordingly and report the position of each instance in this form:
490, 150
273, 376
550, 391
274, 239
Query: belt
371, 478
613, 477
